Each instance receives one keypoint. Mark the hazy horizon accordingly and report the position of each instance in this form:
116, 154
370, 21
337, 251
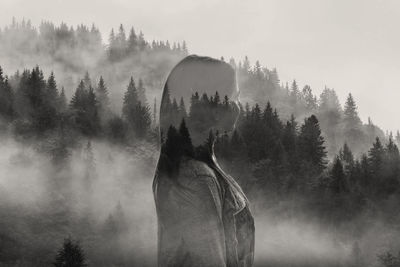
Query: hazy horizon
348, 46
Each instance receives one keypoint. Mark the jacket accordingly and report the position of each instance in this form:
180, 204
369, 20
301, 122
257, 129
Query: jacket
202, 220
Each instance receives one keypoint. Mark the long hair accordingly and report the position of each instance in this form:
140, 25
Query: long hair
192, 75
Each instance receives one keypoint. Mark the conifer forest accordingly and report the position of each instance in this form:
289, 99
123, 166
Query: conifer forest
80, 140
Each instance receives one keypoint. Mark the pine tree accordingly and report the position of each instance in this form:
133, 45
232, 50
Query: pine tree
289, 136
42, 114
70, 255
142, 44
132, 41
329, 114
112, 46
294, 93
103, 100
375, 157
186, 141
130, 98
84, 106
311, 144
338, 177
347, 158
139, 118
309, 99
351, 117
352, 124
51, 91
78, 100
120, 40
171, 152
6, 98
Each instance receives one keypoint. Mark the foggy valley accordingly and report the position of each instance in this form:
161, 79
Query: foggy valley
80, 143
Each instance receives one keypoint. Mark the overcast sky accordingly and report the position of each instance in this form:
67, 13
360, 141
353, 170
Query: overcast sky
349, 45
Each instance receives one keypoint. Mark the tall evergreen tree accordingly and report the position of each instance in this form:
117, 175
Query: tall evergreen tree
130, 98
309, 98
347, 158
375, 157
338, 177
350, 112
52, 91
352, 125
311, 144
103, 100
138, 115
132, 41
6, 98
186, 141
85, 109
70, 255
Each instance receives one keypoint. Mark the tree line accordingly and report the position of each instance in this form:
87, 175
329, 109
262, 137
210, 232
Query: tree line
278, 159
32, 106
339, 124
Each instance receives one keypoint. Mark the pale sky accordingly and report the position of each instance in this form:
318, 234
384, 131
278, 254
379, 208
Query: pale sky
349, 45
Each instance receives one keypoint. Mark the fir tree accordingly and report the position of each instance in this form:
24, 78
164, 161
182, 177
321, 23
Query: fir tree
6, 98
311, 144
103, 100
130, 98
139, 118
338, 177
186, 141
132, 41
352, 124
309, 99
375, 157
351, 117
51, 91
70, 255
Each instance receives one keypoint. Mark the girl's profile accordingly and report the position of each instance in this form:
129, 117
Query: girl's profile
203, 215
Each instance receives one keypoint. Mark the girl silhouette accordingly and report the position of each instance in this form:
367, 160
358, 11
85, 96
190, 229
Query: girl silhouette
203, 215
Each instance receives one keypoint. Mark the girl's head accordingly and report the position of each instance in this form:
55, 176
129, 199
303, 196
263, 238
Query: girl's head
203, 92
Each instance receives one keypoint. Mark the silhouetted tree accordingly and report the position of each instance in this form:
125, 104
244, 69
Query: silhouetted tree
311, 144
103, 100
186, 141
70, 255
338, 177
6, 98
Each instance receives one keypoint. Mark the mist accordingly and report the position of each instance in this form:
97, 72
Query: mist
95, 186
111, 185
108, 196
